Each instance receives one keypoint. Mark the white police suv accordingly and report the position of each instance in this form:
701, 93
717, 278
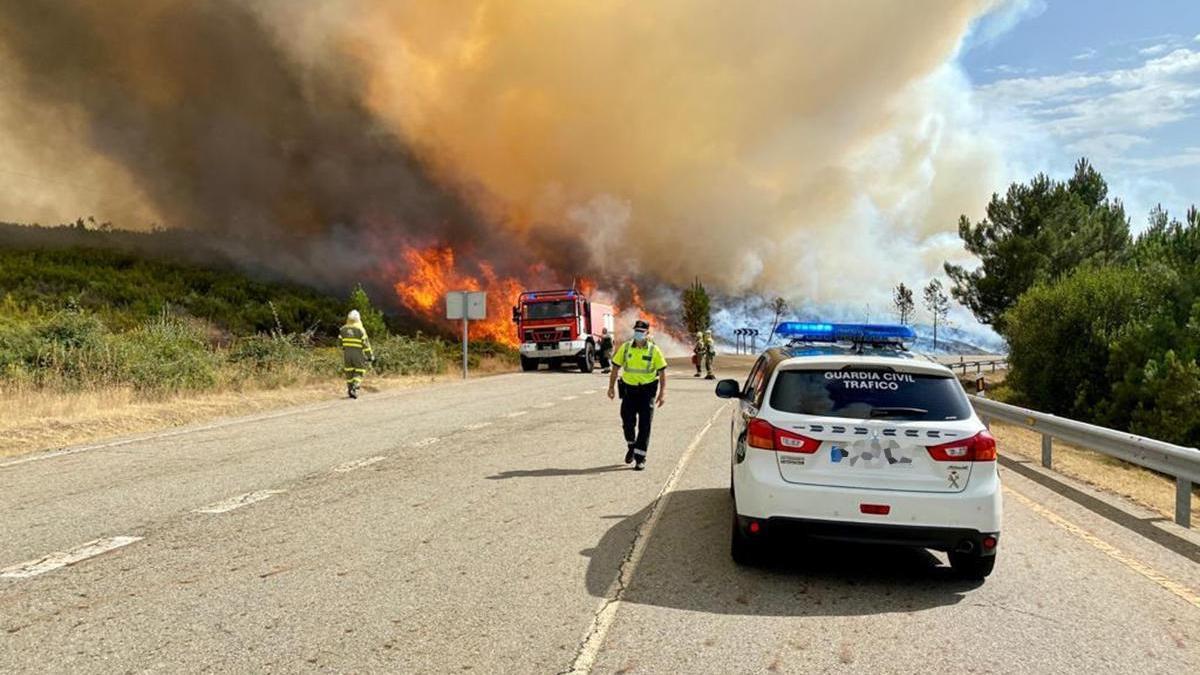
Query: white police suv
846, 435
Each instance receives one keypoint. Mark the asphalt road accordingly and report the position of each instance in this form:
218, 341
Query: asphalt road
491, 527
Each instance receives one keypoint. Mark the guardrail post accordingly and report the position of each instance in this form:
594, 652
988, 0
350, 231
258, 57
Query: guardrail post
1183, 502
1047, 449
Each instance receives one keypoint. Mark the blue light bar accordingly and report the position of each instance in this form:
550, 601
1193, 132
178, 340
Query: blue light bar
845, 332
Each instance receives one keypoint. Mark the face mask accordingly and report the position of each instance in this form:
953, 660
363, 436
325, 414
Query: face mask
639, 335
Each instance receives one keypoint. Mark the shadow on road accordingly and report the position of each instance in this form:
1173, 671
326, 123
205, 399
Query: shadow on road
550, 473
686, 565
1145, 528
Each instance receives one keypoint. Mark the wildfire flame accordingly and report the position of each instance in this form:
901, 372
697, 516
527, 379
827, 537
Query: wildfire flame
434, 271
432, 274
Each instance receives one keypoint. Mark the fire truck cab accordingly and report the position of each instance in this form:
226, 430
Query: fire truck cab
560, 327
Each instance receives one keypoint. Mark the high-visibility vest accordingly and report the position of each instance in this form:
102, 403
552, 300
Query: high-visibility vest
639, 365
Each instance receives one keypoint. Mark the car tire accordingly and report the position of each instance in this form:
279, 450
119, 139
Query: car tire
971, 566
587, 362
528, 364
743, 549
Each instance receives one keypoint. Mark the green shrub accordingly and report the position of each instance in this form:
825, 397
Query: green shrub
402, 355
165, 355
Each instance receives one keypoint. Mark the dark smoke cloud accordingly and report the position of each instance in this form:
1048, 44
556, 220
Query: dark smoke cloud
227, 133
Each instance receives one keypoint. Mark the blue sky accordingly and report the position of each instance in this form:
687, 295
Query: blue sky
1117, 81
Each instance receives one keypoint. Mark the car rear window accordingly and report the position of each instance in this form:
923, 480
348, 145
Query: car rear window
865, 394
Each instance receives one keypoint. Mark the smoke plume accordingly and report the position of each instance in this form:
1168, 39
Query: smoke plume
821, 150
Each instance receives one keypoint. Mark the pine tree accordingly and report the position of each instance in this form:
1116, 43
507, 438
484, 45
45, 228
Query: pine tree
697, 308
372, 319
938, 304
778, 306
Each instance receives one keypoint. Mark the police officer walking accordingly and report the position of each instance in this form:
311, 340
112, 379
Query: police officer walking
356, 352
642, 370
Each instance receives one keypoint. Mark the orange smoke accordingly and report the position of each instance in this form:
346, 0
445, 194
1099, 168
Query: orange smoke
432, 274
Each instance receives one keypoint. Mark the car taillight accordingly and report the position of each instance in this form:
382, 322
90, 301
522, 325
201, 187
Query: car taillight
763, 435
979, 448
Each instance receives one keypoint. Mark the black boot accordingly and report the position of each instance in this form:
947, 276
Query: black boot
629, 455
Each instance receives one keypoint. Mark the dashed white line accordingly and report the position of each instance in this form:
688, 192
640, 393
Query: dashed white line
587, 392
59, 560
569, 398
477, 426
424, 442
358, 463
543, 406
239, 501
517, 413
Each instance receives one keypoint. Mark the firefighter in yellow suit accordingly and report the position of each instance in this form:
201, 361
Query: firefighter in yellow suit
356, 352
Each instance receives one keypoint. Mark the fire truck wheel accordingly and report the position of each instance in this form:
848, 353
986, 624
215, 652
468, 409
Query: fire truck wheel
555, 364
528, 364
587, 362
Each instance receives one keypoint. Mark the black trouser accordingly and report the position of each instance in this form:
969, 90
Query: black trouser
604, 357
637, 411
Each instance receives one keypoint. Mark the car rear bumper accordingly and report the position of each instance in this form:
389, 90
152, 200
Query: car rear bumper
763, 494
936, 538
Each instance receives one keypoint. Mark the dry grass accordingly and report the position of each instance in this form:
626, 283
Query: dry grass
38, 420
1147, 488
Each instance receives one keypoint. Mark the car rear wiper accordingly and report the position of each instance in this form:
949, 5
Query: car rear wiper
897, 411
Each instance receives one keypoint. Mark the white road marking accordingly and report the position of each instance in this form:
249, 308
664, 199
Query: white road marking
239, 501
1187, 594
543, 406
477, 426
59, 560
569, 398
603, 619
229, 423
166, 434
358, 463
424, 442
517, 413
587, 392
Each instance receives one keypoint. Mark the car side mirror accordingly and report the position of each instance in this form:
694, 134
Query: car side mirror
728, 389
516, 315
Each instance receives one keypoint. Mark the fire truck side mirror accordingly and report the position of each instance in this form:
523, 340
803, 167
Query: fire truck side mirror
516, 315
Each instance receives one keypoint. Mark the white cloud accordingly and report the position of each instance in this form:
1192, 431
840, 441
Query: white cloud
1107, 114
1154, 50
1085, 55
1197, 38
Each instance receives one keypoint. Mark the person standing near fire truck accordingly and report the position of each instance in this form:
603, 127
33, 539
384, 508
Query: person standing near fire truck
642, 370
606, 350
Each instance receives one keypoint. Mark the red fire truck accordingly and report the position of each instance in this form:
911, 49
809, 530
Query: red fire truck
560, 327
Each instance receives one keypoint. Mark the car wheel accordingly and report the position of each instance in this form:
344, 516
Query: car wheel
528, 364
971, 566
588, 360
743, 549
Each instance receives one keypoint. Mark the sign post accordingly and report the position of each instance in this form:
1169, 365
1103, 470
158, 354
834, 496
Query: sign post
466, 305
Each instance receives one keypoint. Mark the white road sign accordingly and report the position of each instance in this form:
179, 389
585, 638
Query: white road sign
476, 305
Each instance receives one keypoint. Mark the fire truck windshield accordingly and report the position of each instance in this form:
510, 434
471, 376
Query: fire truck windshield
550, 310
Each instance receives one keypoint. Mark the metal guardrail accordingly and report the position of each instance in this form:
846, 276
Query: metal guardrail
1177, 461
996, 364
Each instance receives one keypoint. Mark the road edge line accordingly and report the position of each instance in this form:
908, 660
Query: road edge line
602, 620
1174, 587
